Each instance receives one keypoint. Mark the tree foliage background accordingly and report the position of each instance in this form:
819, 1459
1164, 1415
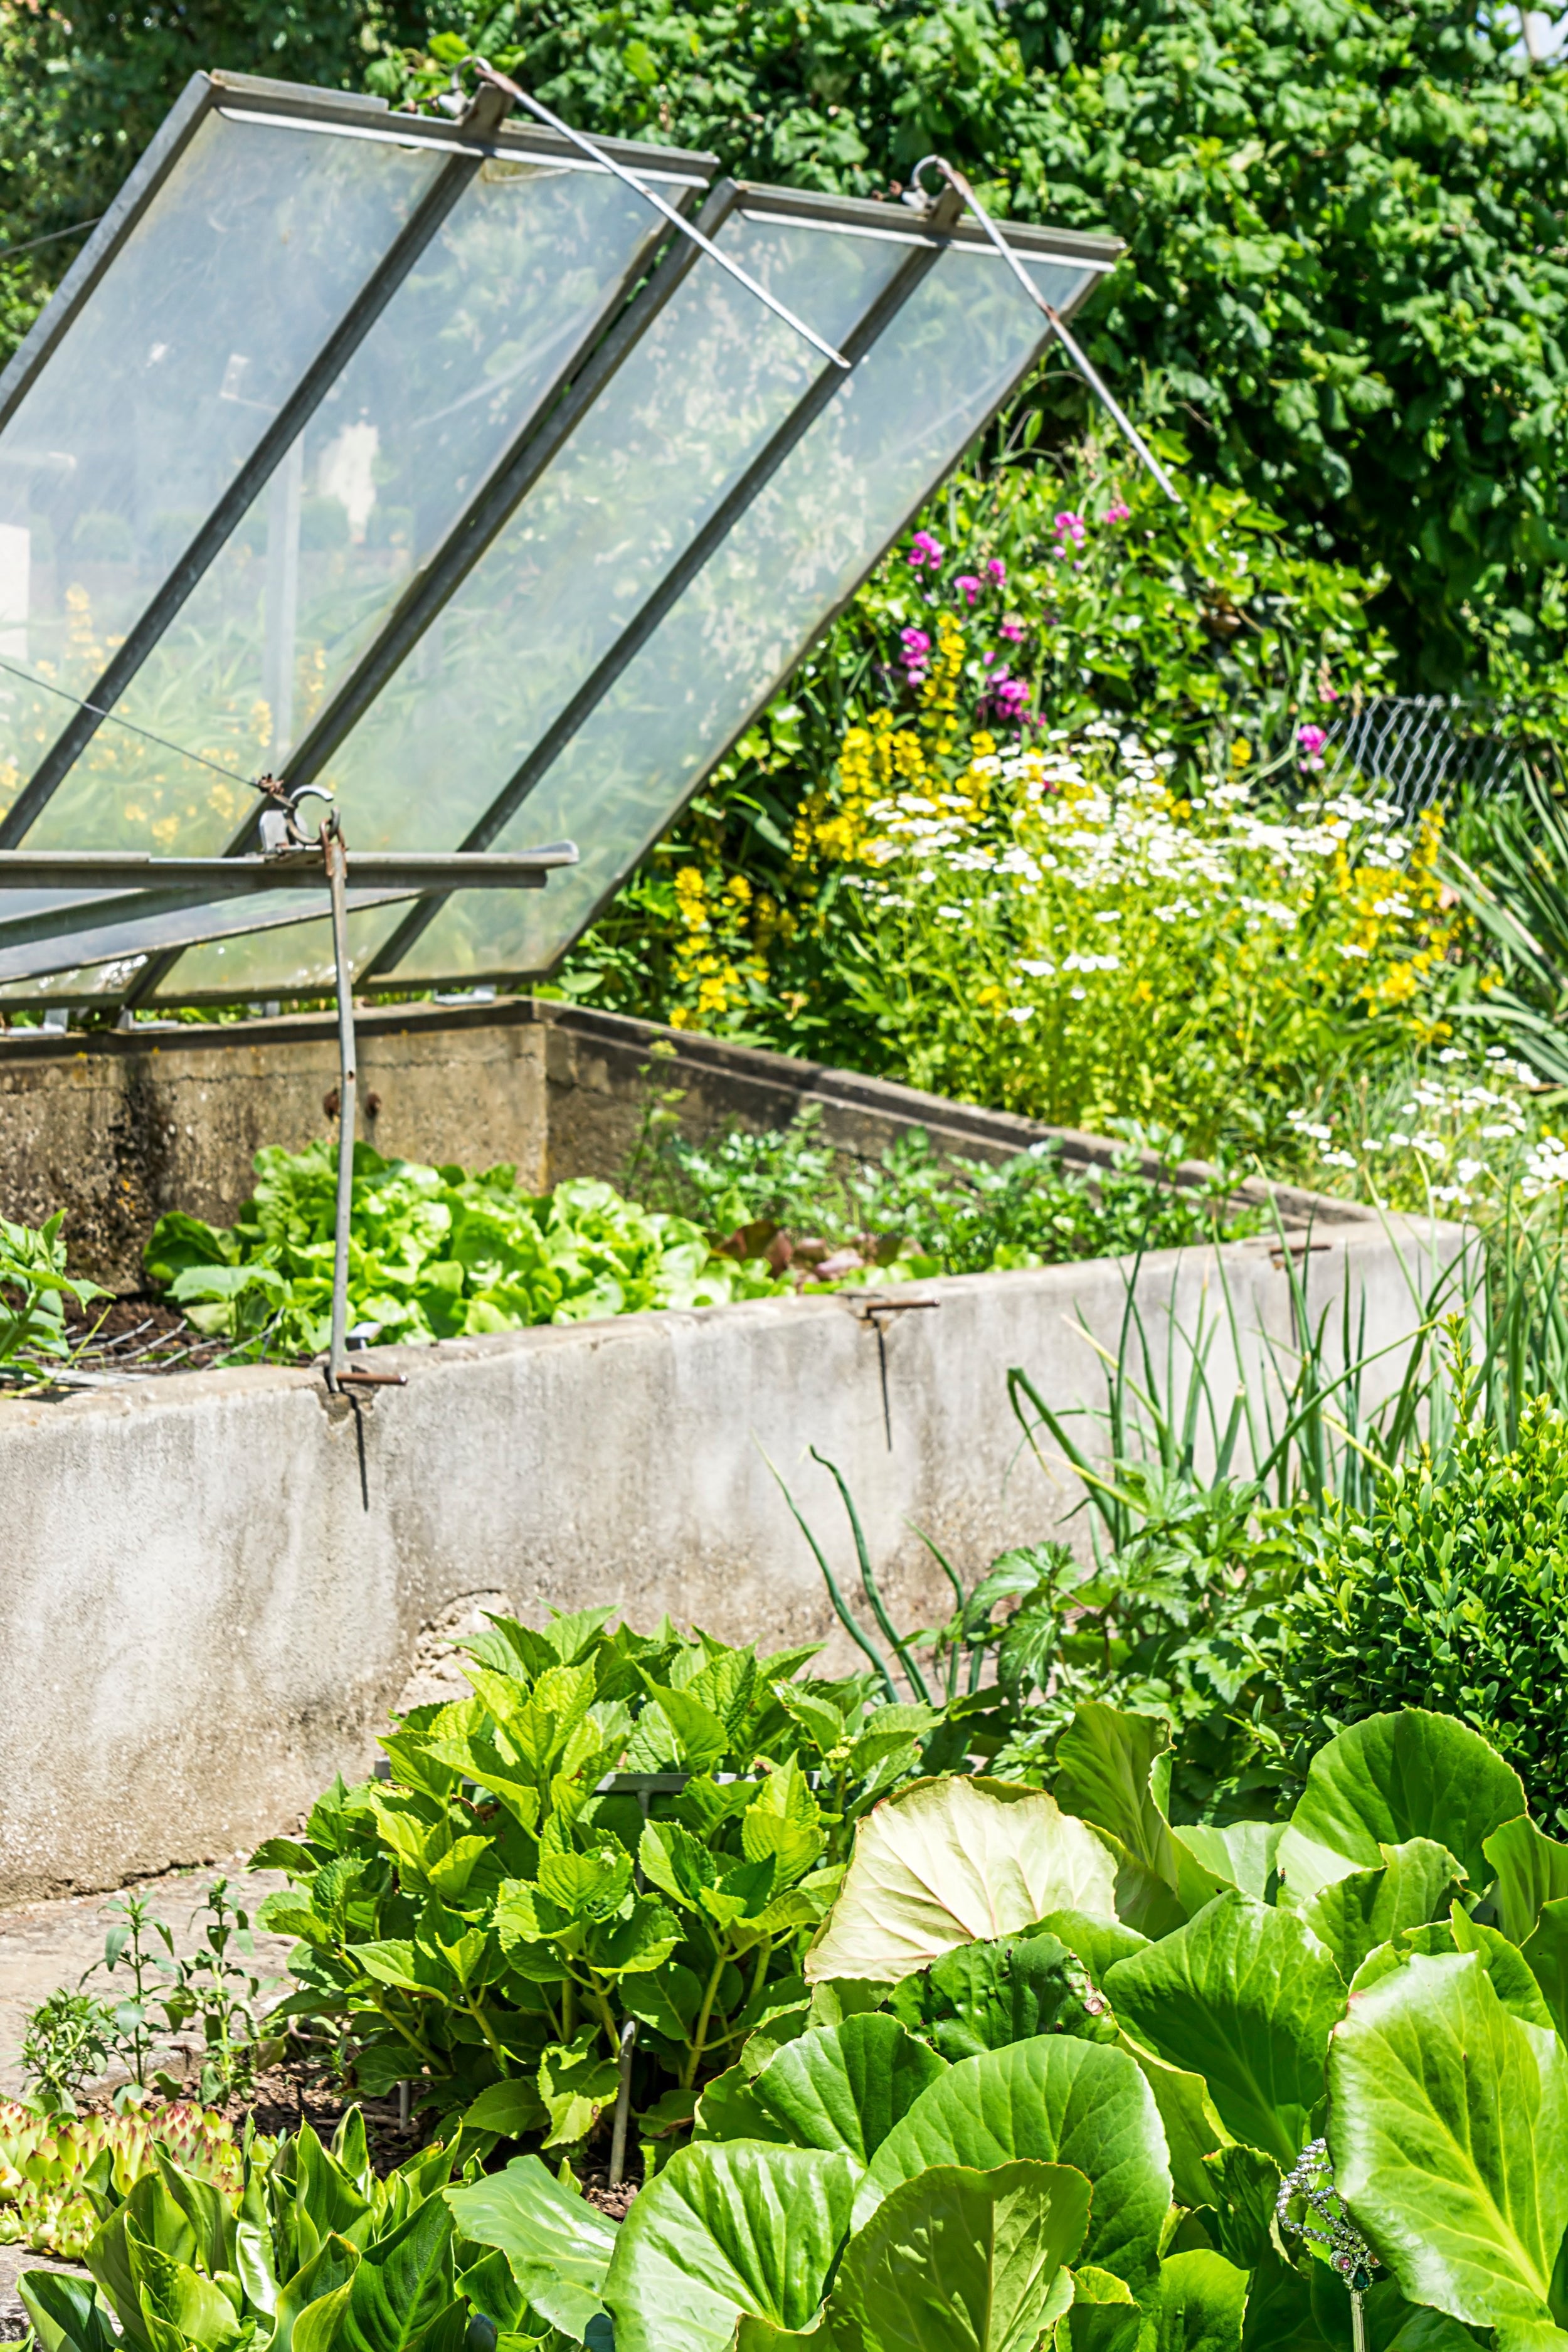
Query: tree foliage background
1346, 276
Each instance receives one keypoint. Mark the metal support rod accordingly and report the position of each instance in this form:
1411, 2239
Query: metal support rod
1079, 359
623, 2101
597, 154
337, 863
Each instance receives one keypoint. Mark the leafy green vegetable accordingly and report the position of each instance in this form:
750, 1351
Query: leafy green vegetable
727, 2230
951, 1860
434, 1252
1410, 1774
557, 2246
1244, 1996
1449, 2127
959, 2261
1054, 2100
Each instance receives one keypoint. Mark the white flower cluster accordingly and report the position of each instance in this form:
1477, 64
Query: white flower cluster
1452, 1112
1545, 1167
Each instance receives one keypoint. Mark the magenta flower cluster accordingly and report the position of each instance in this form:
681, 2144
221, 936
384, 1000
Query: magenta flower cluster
1117, 513
924, 550
915, 653
1312, 739
1069, 526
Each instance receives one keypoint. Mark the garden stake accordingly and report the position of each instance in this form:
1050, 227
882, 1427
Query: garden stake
1312, 2181
622, 2098
1079, 359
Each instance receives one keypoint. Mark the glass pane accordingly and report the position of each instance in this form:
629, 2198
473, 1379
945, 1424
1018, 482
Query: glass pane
80, 985
464, 354
291, 962
714, 375
103, 936
867, 464
236, 274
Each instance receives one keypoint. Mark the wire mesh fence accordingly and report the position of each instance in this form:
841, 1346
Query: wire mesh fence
1423, 750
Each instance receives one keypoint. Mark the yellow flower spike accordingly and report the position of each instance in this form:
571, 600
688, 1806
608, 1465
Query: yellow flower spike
1241, 752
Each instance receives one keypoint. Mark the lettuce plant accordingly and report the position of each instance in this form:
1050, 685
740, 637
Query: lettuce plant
434, 1252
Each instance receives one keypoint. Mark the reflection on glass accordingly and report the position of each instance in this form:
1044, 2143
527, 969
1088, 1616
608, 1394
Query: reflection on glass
294, 961
711, 379
235, 276
907, 414
461, 358
85, 982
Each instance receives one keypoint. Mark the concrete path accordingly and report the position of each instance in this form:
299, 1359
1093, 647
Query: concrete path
45, 1945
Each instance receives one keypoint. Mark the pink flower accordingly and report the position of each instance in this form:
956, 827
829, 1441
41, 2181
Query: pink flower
924, 550
1117, 513
1312, 739
915, 642
1071, 526
968, 586
1011, 696
1330, 694
996, 569
1014, 631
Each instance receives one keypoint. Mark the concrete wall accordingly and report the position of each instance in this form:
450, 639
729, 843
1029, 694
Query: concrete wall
216, 1586
115, 1127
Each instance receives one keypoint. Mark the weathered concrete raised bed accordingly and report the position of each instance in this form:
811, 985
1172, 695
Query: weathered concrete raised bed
216, 1586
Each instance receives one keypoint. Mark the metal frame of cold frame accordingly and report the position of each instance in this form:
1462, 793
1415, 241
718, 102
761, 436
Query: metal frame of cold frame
287, 869
612, 337
467, 145
927, 233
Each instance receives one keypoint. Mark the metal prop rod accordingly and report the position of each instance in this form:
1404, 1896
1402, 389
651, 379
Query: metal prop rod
335, 856
1079, 359
650, 196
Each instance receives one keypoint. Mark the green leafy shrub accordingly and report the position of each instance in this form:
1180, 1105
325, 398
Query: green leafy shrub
613, 1828
1453, 1593
52, 2166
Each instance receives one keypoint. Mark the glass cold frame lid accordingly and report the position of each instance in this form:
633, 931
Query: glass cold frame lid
507, 541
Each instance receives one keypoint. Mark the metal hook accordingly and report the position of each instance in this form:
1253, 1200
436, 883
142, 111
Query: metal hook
1079, 359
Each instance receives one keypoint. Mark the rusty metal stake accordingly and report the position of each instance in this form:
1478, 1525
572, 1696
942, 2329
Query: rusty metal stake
335, 854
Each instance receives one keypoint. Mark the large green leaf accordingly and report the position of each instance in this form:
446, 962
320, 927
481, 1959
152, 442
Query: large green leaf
1532, 1870
1199, 2304
1242, 1853
66, 2312
402, 2289
1246, 1996
1413, 1883
845, 2087
952, 1861
1546, 1956
1054, 2100
559, 2246
1105, 1760
724, 2230
1448, 2128
1394, 1777
959, 2261
983, 1996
